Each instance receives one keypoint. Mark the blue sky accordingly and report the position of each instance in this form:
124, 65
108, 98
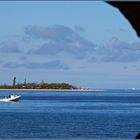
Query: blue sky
84, 43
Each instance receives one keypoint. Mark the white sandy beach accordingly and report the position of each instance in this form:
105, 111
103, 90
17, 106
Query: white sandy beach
69, 90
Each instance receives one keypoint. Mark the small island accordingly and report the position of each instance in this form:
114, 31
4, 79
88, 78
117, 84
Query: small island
41, 85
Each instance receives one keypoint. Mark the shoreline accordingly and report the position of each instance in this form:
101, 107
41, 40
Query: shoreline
78, 90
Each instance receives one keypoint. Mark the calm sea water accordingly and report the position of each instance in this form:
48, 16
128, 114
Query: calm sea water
55, 114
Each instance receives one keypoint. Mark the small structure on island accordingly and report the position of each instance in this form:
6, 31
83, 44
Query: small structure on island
14, 81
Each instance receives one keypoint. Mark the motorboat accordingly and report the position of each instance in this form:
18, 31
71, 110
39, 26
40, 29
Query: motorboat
10, 98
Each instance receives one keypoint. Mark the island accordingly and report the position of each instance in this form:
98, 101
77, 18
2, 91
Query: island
41, 85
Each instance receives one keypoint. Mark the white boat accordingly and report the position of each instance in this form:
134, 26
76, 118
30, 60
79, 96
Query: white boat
10, 98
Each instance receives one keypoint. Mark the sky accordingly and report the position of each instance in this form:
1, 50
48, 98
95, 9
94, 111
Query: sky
84, 43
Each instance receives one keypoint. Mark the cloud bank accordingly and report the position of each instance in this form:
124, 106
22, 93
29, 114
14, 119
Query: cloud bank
119, 51
9, 47
37, 65
59, 38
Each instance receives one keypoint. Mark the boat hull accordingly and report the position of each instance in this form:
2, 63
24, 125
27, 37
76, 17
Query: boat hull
14, 98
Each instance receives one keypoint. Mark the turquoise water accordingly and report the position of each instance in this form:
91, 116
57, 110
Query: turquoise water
56, 114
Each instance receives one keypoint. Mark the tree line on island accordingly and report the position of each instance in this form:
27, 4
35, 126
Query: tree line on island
41, 85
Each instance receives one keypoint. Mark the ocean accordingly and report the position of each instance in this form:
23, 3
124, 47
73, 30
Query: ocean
71, 114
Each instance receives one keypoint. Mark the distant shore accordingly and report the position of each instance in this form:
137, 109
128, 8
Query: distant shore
52, 90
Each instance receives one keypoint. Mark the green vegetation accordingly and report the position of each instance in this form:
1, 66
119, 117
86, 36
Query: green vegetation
41, 85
